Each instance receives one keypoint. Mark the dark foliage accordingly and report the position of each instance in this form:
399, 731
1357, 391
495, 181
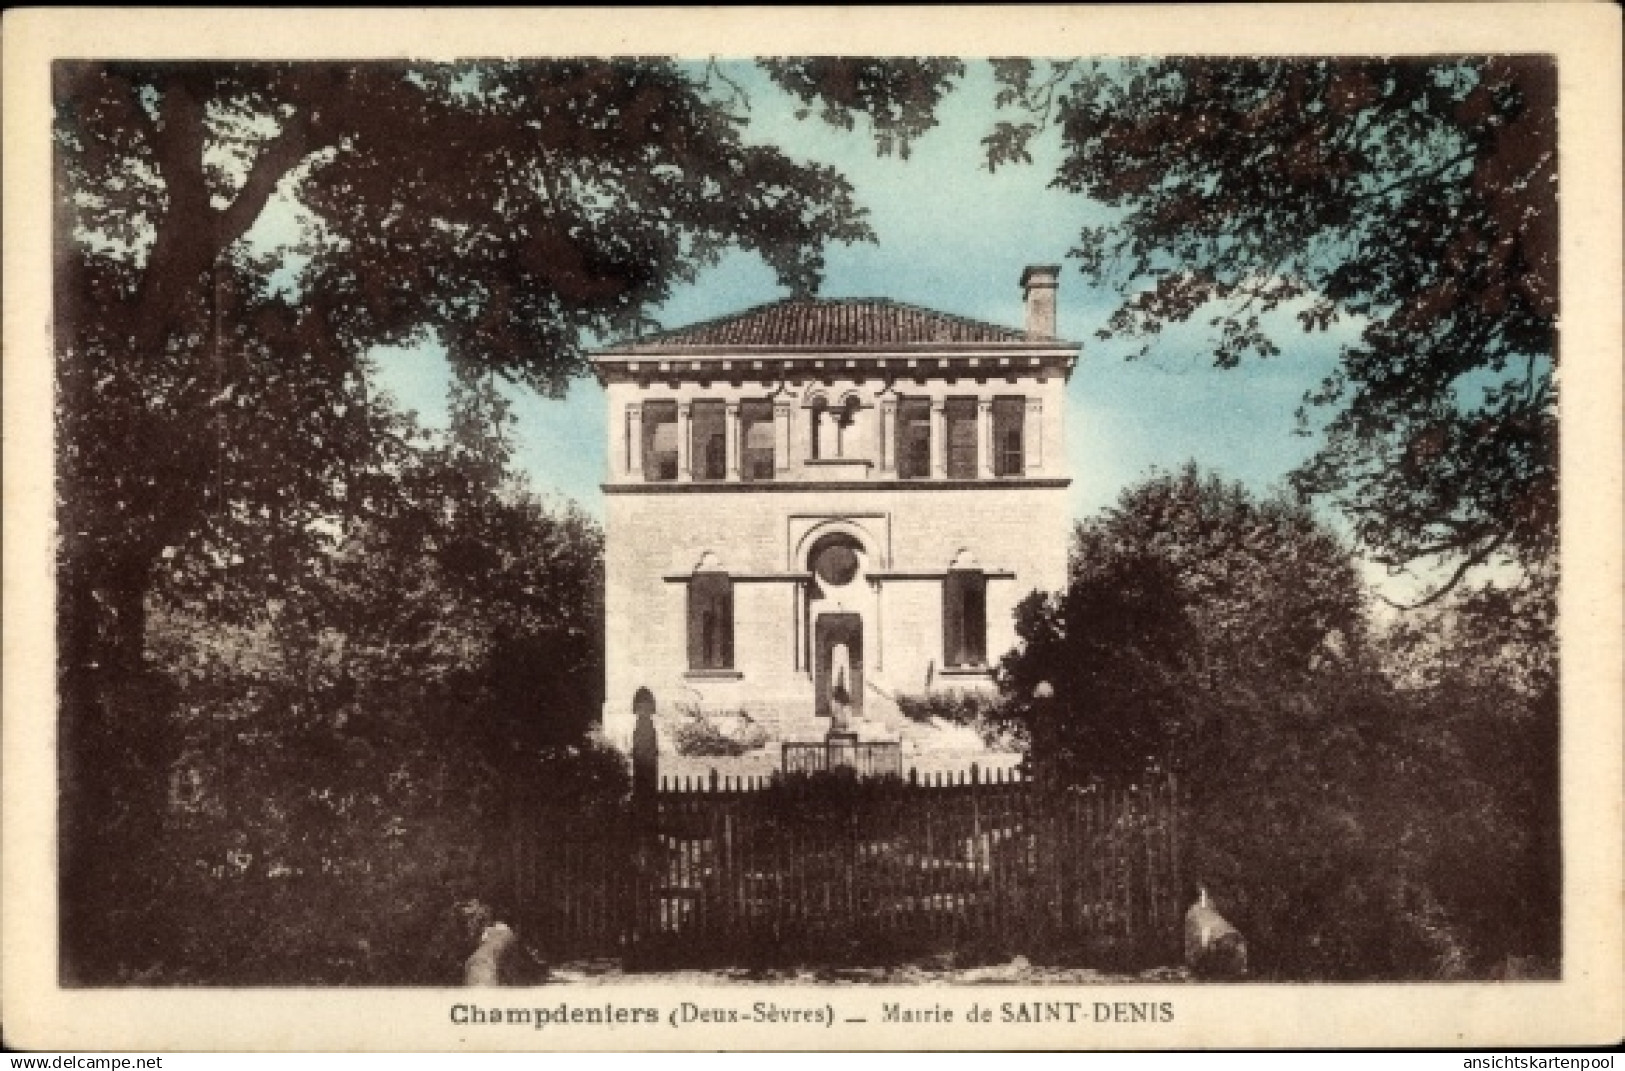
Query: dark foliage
222, 463
509, 209
1187, 578
899, 96
1362, 803
1415, 197
321, 764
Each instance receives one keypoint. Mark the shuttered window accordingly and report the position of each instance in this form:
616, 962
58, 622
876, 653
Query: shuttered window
1009, 448
707, 421
961, 413
660, 441
914, 439
964, 618
710, 621
760, 439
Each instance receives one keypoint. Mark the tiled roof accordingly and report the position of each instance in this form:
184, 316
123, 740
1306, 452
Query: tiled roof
828, 322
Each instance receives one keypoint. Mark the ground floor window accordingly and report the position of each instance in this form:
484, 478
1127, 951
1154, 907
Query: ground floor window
964, 618
710, 621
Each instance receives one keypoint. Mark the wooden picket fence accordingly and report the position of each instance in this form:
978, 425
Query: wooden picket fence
829, 869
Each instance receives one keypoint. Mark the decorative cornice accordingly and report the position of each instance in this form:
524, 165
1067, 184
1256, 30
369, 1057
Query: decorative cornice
817, 351
673, 487
890, 362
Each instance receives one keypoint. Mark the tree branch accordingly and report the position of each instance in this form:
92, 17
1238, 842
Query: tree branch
1477, 558
279, 156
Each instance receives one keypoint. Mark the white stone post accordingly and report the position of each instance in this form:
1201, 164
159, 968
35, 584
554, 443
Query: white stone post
984, 438
781, 436
1032, 437
731, 425
634, 440
685, 436
888, 434
939, 438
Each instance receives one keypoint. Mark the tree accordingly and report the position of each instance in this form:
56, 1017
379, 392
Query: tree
233, 240
1365, 804
348, 742
899, 95
1415, 197
513, 210
1480, 671
214, 420
1187, 582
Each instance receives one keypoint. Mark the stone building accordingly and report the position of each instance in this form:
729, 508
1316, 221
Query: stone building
817, 506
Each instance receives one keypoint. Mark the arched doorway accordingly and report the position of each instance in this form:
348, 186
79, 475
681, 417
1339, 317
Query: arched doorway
836, 562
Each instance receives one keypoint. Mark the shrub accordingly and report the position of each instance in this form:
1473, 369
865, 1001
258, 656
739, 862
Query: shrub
982, 711
711, 735
1360, 808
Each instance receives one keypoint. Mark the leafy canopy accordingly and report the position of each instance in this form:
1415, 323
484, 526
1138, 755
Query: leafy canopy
1413, 199
516, 211
1189, 586
1364, 803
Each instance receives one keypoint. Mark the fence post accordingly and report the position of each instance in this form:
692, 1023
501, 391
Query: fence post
645, 751
1056, 831
644, 844
1042, 758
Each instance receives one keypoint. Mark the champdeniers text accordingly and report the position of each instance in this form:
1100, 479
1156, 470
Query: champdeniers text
684, 1014
559, 1015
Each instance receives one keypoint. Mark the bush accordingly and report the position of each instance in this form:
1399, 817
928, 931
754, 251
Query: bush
723, 735
329, 847
981, 711
955, 707
1360, 806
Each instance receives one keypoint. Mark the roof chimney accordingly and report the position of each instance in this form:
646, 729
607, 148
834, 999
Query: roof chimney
1038, 283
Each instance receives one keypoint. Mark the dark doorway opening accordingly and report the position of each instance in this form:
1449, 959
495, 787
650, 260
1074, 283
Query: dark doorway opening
836, 677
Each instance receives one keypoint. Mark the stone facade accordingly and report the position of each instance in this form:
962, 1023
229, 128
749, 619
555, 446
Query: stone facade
816, 507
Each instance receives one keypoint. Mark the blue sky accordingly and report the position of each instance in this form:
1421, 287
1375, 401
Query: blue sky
953, 237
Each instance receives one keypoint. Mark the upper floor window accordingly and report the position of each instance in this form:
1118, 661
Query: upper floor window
660, 441
757, 434
964, 618
1009, 448
961, 414
833, 429
710, 621
914, 438
709, 442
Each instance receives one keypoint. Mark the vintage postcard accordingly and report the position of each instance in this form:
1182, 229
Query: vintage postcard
1070, 528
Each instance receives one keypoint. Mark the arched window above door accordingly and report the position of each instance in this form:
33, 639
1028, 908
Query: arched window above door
835, 560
